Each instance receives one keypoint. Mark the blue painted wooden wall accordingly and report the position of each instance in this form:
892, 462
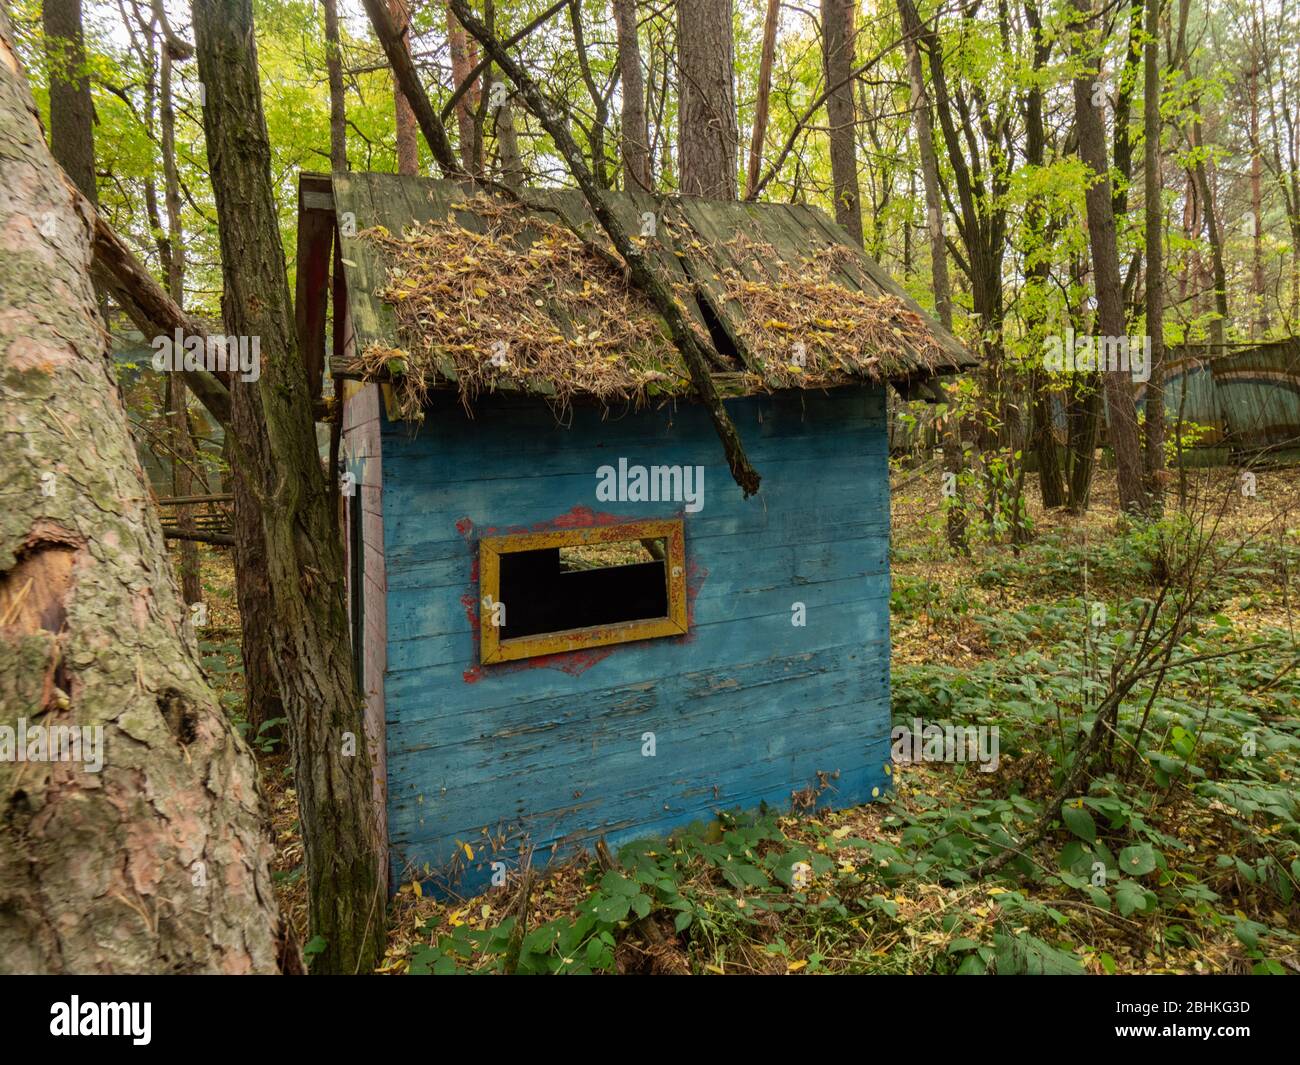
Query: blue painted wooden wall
745, 708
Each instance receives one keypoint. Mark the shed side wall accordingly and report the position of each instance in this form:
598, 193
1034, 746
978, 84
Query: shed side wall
747, 707
360, 450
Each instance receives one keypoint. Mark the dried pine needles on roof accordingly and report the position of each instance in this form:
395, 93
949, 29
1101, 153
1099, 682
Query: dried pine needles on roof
521, 302
807, 329
524, 304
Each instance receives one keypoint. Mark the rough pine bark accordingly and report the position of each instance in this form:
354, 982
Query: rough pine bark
839, 37
158, 861
708, 137
275, 444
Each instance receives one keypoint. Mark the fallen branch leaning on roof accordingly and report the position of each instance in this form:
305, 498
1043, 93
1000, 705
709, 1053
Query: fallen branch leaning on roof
642, 275
116, 269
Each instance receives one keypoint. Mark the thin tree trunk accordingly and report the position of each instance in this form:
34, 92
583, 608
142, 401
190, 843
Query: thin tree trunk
1155, 307
839, 44
636, 131
708, 140
1051, 482
184, 454
509, 163
72, 139
770, 22
262, 703
1118, 381
334, 67
1205, 194
1083, 424
462, 62
599, 100
920, 104
408, 144
154, 860
275, 442
1259, 320
399, 58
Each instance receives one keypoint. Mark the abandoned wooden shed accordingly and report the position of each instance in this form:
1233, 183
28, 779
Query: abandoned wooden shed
569, 622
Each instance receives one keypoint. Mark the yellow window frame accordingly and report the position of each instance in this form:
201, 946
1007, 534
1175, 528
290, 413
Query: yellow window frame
493, 649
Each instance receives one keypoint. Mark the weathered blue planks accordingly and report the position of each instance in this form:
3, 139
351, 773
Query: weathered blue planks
746, 708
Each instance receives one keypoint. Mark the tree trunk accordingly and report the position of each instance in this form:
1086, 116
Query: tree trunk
1117, 381
770, 22
184, 458
981, 224
408, 143
920, 104
1205, 192
1155, 308
708, 139
334, 67
72, 113
262, 702
399, 58
599, 100
154, 860
1083, 416
1038, 270
839, 45
462, 62
509, 163
275, 444
1259, 320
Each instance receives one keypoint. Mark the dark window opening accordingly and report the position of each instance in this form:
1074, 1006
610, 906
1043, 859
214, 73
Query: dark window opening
556, 589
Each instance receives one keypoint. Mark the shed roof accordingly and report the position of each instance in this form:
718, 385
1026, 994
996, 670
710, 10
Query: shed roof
449, 287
